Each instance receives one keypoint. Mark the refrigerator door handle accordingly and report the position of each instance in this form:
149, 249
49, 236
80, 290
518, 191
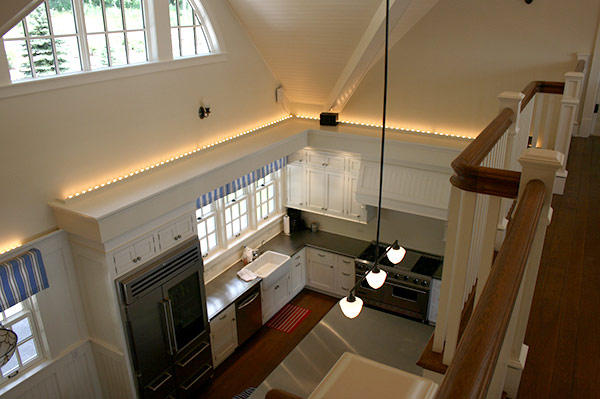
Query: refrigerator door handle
172, 325
168, 325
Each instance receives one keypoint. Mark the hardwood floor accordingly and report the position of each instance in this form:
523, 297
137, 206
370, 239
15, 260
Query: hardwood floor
250, 364
563, 333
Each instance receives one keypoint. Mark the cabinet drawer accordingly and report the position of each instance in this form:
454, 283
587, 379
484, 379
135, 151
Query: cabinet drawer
134, 254
297, 157
316, 255
336, 162
176, 232
344, 264
353, 165
317, 159
299, 257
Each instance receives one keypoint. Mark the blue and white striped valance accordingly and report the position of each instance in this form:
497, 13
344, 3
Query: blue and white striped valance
21, 278
240, 182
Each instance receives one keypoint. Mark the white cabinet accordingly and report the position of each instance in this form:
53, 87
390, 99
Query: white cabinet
344, 274
295, 185
334, 204
325, 183
223, 335
274, 297
320, 273
134, 254
176, 232
316, 196
329, 272
298, 272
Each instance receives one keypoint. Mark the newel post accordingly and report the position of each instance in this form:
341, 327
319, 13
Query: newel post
566, 121
512, 100
541, 165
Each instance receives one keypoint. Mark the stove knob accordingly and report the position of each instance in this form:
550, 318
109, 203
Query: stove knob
396, 276
425, 283
406, 278
416, 281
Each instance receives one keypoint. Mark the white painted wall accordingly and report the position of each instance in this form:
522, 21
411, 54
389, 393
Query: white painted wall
65, 139
446, 73
411, 231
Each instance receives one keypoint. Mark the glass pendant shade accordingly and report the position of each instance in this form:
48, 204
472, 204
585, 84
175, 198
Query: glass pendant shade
376, 278
351, 306
8, 344
396, 255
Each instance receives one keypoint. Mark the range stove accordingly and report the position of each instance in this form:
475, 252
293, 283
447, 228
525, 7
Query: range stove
407, 286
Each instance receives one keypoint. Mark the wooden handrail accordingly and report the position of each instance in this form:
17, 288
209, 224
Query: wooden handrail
580, 66
471, 370
472, 177
539, 86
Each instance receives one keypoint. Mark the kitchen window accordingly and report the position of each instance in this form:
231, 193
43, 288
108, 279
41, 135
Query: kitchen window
207, 228
265, 197
19, 318
236, 213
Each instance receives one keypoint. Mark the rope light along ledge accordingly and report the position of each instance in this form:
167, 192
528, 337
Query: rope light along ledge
9, 248
168, 160
433, 133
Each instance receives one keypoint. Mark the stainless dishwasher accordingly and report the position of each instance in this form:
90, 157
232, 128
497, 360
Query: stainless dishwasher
248, 313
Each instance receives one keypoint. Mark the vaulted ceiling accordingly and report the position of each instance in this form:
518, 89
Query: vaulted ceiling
320, 49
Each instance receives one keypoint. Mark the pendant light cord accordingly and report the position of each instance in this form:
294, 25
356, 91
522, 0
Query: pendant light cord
385, 87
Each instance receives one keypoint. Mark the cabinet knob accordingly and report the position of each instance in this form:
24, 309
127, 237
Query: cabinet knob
331, 267
139, 258
135, 260
276, 287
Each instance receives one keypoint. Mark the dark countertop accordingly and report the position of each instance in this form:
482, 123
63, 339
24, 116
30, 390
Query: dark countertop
227, 287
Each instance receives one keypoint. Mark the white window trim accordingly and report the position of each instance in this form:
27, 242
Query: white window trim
30, 311
153, 15
225, 245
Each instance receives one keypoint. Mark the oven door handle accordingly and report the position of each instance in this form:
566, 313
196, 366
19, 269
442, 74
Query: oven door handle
408, 288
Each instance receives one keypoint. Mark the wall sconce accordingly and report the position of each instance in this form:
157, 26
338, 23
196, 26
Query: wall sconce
203, 112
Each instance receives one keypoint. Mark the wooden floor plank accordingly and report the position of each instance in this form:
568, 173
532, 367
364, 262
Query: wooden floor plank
563, 330
251, 363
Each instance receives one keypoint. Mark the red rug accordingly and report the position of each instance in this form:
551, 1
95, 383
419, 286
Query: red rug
288, 318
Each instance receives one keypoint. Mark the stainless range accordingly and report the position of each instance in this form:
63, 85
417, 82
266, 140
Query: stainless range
407, 286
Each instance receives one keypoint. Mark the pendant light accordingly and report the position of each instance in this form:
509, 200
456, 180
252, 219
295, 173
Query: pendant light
396, 253
8, 344
352, 305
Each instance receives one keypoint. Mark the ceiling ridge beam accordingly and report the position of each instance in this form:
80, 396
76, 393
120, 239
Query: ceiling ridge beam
404, 14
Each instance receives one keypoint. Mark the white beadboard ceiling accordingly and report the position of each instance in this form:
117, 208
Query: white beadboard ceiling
306, 43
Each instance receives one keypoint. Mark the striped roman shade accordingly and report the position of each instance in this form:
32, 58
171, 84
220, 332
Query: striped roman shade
21, 278
240, 182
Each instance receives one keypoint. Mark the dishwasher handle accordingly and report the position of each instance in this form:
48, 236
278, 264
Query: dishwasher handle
249, 300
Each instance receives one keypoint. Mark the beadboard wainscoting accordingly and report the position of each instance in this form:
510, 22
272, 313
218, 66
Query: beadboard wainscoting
112, 371
71, 376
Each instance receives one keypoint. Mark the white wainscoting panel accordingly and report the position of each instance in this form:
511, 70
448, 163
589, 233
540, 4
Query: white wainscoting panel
112, 371
72, 376
411, 190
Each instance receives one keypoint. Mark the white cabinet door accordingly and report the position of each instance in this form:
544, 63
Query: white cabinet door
134, 254
298, 272
223, 335
281, 292
295, 185
335, 194
344, 274
320, 276
175, 232
316, 198
353, 208
274, 297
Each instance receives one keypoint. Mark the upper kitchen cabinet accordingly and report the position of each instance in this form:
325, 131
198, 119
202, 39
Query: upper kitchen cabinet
325, 183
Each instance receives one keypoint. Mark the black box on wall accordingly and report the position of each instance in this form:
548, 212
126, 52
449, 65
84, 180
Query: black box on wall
329, 118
